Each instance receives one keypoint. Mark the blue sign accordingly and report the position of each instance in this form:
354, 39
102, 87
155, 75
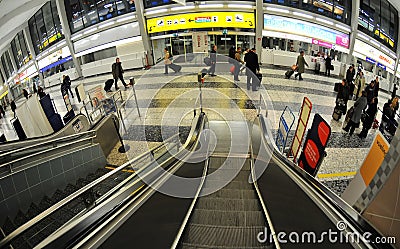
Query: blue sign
59, 62
382, 66
370, 60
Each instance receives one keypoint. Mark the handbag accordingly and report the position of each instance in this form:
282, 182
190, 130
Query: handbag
294, 67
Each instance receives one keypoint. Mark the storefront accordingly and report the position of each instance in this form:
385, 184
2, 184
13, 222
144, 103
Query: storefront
224, 29
24, 80
375, 63
292, 35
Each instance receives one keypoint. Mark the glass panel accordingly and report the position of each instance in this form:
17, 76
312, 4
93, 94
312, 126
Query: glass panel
74, 15
34, 34
8, 61
89, 12
50, 27
154, 3
15, 50
106, 9
56, 18
41, 29
5, 67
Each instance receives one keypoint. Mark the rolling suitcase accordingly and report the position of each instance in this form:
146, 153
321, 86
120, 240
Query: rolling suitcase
289, 73
175, 67
259, 77
108, 85
47, 106
337, 113
207, 61
18, 129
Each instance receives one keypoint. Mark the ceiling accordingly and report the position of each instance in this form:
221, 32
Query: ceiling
14, 15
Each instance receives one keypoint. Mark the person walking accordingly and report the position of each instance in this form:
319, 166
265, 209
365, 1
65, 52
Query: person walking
251, 60
359, 107
376, 89
237, 61
67, 85
300, 63
168, 62
360, 84
370, 89
118, 73
342, 96
370, 114
349, 79
25, 92
13, 106
328, 65
213, 59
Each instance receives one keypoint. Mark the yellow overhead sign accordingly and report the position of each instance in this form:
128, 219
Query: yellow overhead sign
201, 20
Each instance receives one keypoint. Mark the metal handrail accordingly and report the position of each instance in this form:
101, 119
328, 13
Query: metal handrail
44, 151
48, 142
262, 100
74, 195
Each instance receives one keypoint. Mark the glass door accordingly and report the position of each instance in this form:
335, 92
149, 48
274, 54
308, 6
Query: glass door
225, 42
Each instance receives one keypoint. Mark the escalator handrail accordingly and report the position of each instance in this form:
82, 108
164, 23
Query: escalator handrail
52, 141
13, 142
74, 195
261, 200
352, 216
10, 163
185, 222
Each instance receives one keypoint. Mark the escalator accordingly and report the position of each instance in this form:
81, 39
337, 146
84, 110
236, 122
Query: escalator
258, 192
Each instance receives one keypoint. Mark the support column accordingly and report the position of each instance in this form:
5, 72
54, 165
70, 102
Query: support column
3, 73
67, 34
31, 48
14, 65
143, 30
259, 27
355, 13
392, 80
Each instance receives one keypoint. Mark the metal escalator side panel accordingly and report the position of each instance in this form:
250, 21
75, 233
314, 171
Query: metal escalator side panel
294, 197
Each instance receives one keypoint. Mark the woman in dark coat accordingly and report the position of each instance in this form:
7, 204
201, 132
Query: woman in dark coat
370, 114
343, 96
359, 107
350, 79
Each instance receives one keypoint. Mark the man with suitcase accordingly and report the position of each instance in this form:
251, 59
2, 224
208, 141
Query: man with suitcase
117, 73
168, 63
253, 67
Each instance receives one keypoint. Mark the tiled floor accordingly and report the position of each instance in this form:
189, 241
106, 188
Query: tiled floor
166, 103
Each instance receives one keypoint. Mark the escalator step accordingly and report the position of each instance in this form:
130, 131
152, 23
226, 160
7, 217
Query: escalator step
32, 211
58, 196
227, 218
203, 236
20, 218
232, 194
231, 175
230, 185
192, 246
69, 189
228, 205
8, 226
235, 166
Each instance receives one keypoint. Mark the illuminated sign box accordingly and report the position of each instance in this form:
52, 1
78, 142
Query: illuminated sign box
201, 20
363, 49
317, 32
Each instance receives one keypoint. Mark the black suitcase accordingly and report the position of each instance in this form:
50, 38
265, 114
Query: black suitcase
336, 88
108, 85
259, 76
175, 67
337, 114
289, 73
19, 130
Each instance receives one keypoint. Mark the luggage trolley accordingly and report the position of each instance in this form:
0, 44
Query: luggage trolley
284, 128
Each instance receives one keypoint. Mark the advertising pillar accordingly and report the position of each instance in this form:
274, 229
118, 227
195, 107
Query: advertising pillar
67, 34
314, 146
